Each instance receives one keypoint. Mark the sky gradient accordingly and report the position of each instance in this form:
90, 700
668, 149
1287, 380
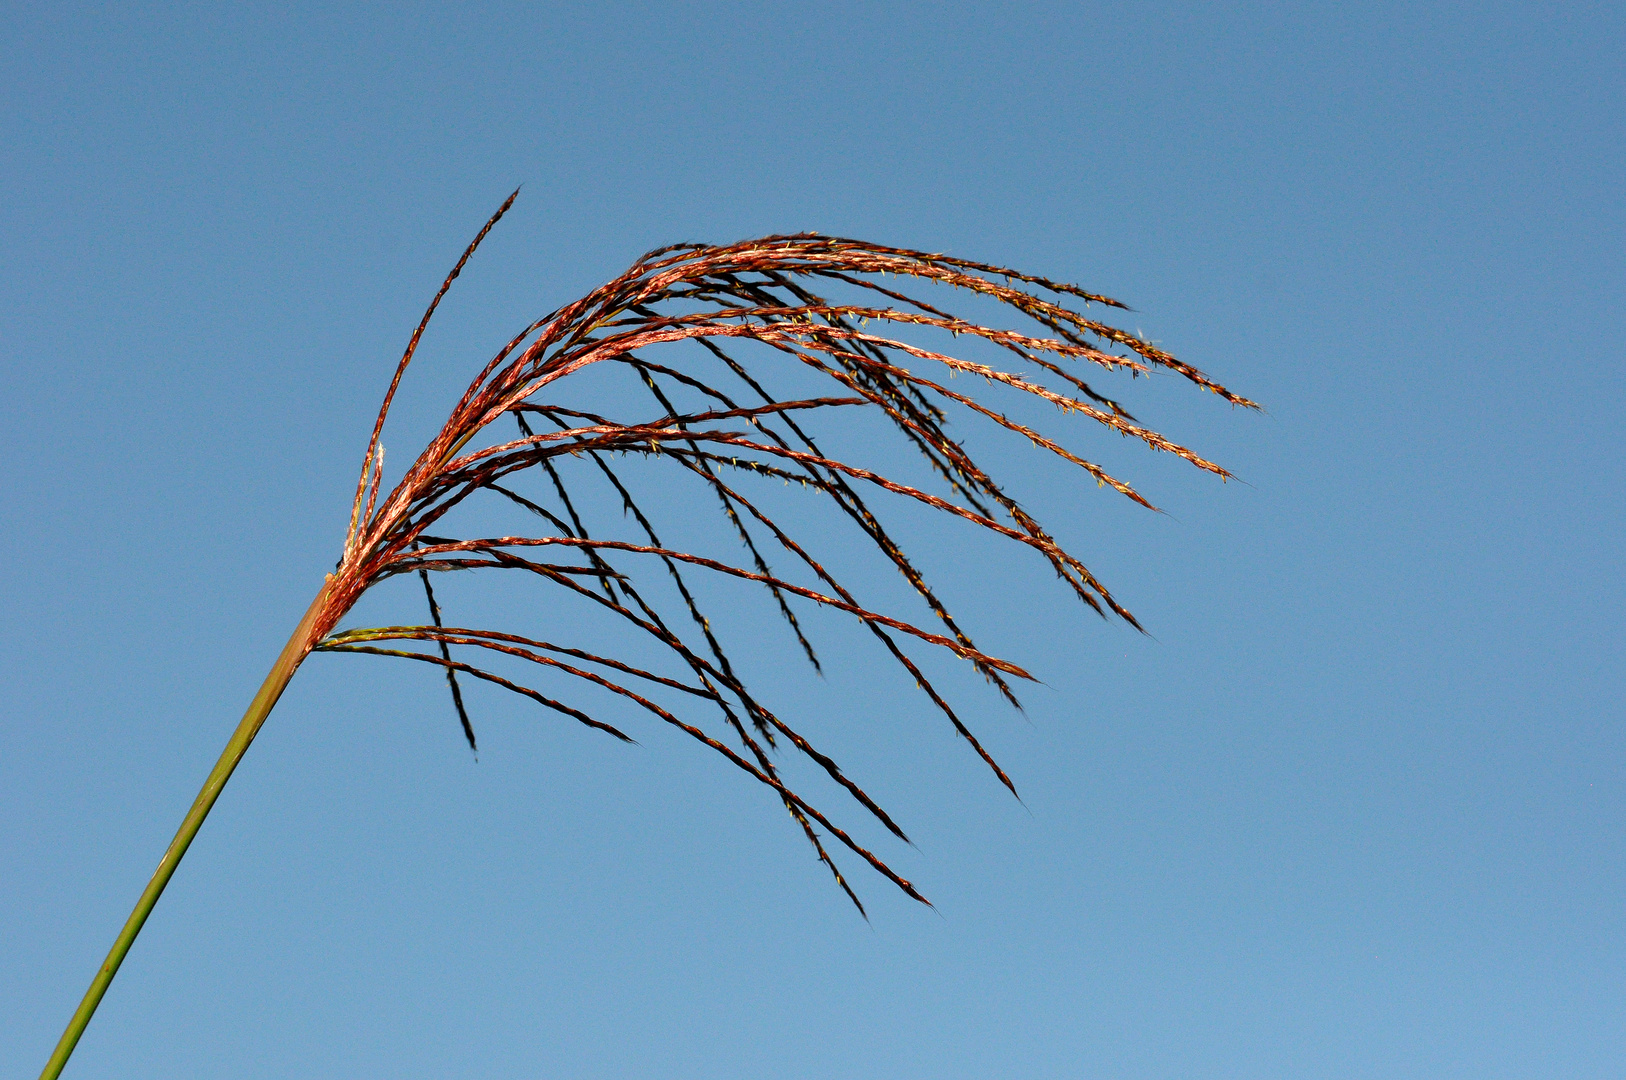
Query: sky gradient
1355, 808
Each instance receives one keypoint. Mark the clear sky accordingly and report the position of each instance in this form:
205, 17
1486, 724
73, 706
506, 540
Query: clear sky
1356, 808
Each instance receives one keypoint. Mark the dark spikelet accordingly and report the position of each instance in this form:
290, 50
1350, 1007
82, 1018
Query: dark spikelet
728, 503
576, 714
451, 672
706, 332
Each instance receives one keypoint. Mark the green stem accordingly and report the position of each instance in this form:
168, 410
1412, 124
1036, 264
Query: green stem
298, 647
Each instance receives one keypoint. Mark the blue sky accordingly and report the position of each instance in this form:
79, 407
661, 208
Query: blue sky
1354, 809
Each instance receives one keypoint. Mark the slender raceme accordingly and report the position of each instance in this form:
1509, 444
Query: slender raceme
708, 338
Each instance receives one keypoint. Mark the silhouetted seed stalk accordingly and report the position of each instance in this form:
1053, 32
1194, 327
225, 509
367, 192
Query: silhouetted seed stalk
713, 300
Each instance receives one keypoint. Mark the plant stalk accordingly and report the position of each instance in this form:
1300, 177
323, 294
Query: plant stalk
298, 647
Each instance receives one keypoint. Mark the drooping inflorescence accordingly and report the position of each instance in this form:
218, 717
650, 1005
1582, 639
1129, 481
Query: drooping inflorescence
687, 323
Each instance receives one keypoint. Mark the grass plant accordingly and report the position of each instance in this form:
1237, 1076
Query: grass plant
707, 332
